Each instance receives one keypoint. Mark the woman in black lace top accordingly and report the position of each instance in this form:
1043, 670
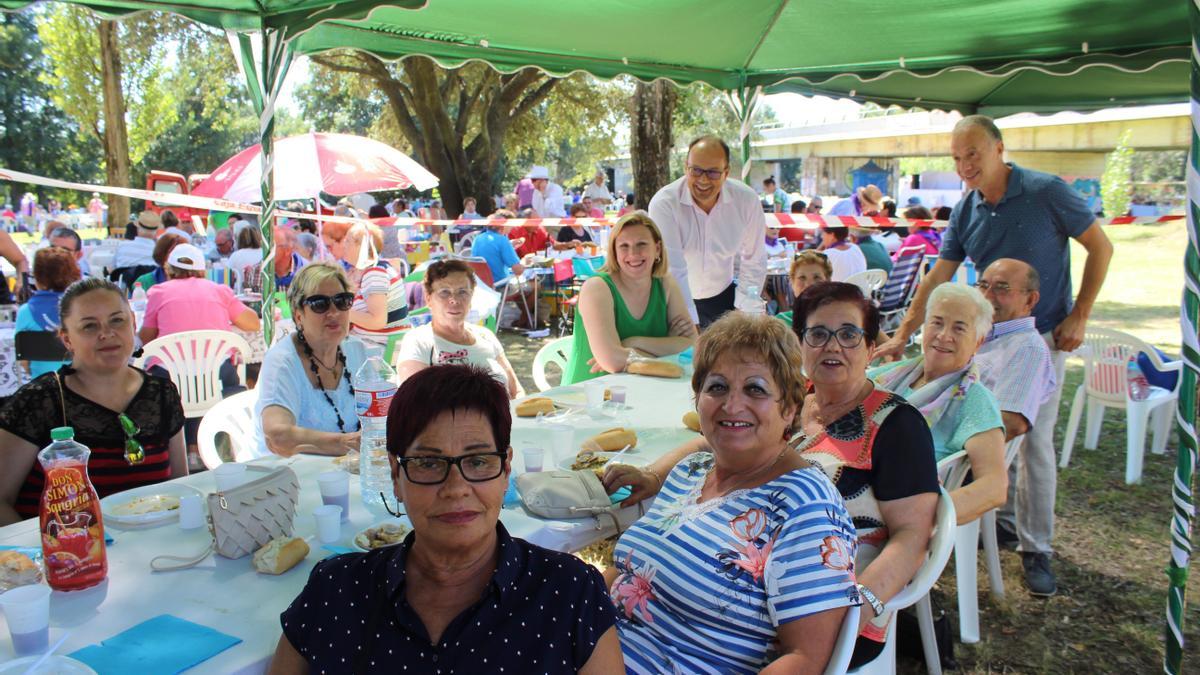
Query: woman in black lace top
133, 422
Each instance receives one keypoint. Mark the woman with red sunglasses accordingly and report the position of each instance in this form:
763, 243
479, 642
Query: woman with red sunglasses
305, 397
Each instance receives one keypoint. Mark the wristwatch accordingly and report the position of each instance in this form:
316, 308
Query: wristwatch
873, 601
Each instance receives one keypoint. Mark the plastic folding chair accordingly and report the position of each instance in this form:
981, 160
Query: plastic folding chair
234, 417
565, 298
193, 361
870, 281
897, 292
917, 593
1105, 355
557, 352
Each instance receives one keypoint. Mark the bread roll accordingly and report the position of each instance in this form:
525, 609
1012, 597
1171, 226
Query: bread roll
612, 440
280, 555
17, 569
655, 368
691, 420
537, 405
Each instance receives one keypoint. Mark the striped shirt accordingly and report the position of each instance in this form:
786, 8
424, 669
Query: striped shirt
703, 587
1014, 362
381, 279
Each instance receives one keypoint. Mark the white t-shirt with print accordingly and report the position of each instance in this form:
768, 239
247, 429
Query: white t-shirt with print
423, 346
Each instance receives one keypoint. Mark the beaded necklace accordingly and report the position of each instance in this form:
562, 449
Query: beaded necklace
312, 362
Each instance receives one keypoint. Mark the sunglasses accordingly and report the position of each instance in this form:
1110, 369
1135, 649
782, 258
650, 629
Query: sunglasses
134, 453
321, 303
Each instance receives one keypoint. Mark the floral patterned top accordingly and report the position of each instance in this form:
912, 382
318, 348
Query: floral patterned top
703, 586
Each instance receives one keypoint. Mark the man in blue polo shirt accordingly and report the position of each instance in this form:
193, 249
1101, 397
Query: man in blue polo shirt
1011, 212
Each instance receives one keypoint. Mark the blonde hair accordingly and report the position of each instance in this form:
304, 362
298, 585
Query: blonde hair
633, 219
354, 237
309, 278
761, 339
811, 258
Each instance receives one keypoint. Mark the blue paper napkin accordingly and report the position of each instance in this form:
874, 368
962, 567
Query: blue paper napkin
511, 496
165, 644
339, 550
621, 494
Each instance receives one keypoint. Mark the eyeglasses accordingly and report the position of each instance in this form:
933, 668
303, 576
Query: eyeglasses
711, 174
1001, 288
134, 452
475, 468
848, 337
321, 303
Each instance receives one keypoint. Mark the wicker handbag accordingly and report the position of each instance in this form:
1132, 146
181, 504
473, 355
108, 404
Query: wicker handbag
245, 518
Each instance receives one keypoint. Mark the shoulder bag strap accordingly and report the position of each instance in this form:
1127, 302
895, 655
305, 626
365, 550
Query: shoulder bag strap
62, 401
169, 563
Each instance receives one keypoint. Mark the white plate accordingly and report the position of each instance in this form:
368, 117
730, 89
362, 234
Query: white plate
111, 505
402, 522
63, 665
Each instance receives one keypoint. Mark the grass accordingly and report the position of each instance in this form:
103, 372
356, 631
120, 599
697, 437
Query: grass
1112, 540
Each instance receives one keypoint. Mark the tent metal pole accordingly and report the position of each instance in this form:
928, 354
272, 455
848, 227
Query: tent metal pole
1185, 463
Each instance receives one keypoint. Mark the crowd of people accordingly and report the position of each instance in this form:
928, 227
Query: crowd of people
812, 487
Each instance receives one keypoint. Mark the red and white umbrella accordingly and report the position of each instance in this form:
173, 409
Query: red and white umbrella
305, 166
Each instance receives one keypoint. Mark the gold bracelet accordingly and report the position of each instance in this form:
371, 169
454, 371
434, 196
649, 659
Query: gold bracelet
657, 477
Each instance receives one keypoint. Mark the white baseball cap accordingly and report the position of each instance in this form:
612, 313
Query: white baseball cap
539, 172
186, 257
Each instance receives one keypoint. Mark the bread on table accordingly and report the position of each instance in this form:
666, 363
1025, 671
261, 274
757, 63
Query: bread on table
534, 406
691, 420
17, 569
654, 368
280, 555
612, 440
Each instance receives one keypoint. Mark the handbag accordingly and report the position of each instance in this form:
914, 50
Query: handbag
562, 495
246, 518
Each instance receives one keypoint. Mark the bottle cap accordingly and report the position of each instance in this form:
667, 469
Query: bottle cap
62, 433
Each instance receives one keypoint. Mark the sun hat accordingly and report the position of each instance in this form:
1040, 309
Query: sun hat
869, 194
149, 220
539, 173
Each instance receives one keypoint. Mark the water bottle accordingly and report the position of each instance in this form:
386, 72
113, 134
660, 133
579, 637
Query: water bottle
374, 387
1139, 387
71, 523
753, 300
138, 301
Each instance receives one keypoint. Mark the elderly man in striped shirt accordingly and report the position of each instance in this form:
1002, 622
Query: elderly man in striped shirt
1015, 363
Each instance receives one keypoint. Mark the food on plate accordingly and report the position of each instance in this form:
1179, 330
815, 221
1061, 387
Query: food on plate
589, 460
140, 506
654, 368
691, 420
17, 569
387, 534
280, 555
534, 406
347, 462
612, 440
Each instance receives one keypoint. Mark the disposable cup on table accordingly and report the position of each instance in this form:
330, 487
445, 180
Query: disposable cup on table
534, 459
191, 513
617, 394
594, 391
229, 475
329, 522
562, 439
335, 489
27, 610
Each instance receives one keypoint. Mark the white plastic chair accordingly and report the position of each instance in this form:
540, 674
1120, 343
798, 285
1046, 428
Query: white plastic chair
557, 351
843, 649
1105, 355
917, 593
870, 281
193, 360
953, 470
233, 416
463, 246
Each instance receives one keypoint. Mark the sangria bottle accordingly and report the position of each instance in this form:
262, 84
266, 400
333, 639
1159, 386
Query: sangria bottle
71, 525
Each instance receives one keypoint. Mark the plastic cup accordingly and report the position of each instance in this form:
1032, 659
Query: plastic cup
229, 475
191, 515
561, 441
617, 394
27, 609
329, 522
533, 459
335, 489
595, 394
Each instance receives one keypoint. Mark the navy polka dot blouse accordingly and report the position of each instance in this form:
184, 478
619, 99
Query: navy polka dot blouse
542, 613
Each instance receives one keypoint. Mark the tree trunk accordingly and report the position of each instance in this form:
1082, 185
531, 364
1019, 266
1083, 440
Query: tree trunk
653, 106
116, 138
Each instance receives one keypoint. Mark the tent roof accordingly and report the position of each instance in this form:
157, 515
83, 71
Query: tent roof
995, 56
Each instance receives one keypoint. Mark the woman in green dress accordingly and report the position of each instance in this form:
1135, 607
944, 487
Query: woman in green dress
633, 307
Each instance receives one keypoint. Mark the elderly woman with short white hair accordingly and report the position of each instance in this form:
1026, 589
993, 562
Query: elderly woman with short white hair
943, 383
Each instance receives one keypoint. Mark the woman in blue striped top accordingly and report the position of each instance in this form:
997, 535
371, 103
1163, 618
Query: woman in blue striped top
745, 563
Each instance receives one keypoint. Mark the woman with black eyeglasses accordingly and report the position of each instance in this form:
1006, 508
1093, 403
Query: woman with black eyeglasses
459, 595
305, 396
132, 422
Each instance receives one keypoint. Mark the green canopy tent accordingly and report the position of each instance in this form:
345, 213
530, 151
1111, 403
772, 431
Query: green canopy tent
994, 57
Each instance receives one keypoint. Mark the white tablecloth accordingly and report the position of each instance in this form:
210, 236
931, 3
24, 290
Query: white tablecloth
229, 596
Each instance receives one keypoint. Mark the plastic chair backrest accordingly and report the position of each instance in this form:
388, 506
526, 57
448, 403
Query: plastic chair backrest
953, 470
556, 352
1105, 357
564, 271
843, 649
1011, 449
869, 281
465, 242
940, 546
481, 270
233, 416
193, 360
904, 275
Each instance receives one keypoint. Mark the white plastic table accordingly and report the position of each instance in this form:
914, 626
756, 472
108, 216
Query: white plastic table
230, 596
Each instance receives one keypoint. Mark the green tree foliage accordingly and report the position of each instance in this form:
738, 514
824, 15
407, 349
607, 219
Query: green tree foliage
1116, 188
35, 135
